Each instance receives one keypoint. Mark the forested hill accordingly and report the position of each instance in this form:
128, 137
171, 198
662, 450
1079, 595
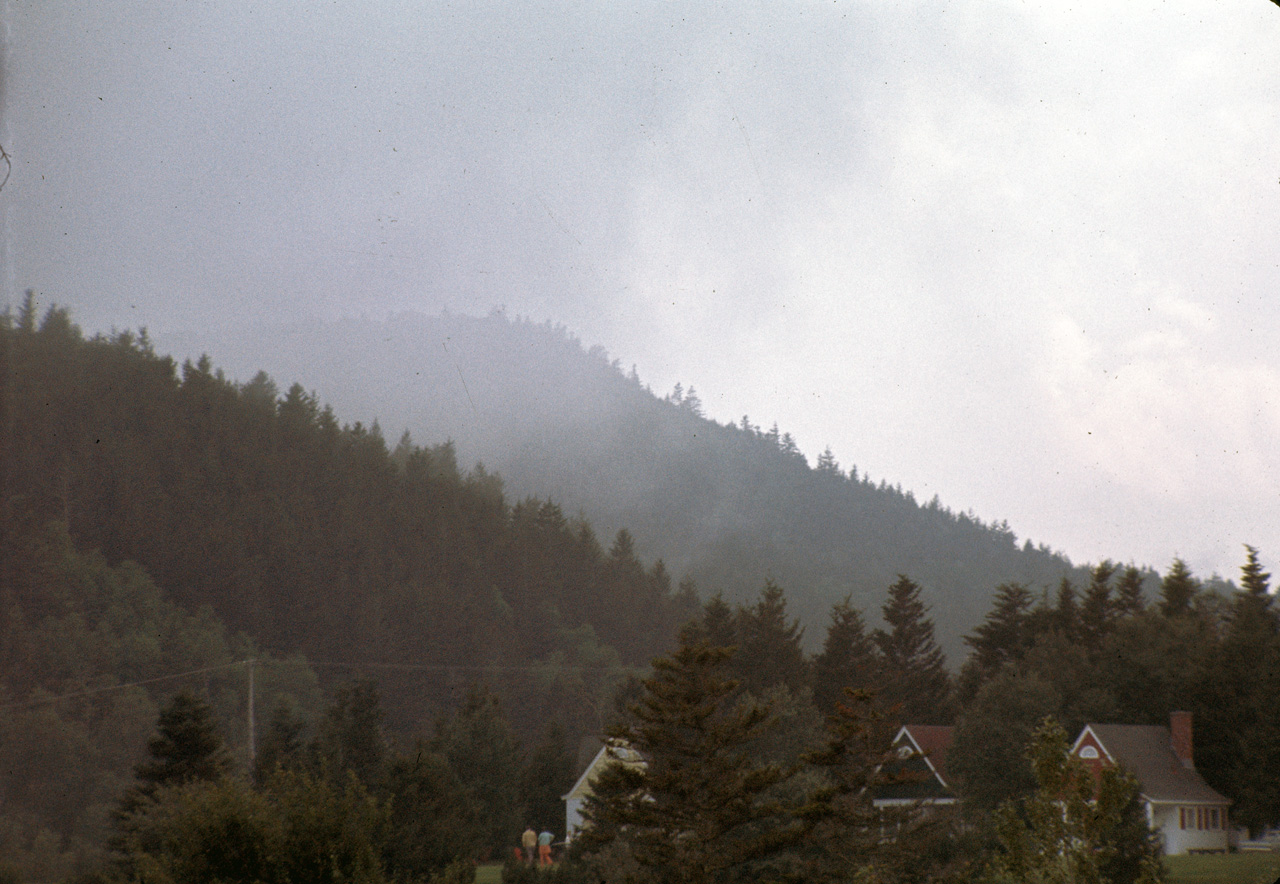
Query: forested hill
311, 537
726, 505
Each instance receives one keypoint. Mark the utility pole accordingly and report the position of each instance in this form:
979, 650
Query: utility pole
253, 748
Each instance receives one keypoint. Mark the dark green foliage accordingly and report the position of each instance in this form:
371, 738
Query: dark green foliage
350, 738
847, 835
725, 504
297, 828
847, 661
1130, 601
987, 756
699, 808
434, 823
769, 651
549, 773
1098, 611
1240, 724
281, 746
1177, 590
1065, 833
1005, 635
313, 537
187, 747
481, 750
913, 681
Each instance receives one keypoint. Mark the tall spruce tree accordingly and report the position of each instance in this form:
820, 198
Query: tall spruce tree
1177, 590
1004, 636
847, 659
483, 753
1098, 611
698, 807
1130, 601
187, 749
769, 650
913, 669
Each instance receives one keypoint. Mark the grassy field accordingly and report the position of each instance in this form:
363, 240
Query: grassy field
1229, 868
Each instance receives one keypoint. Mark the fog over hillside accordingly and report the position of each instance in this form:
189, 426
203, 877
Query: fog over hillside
729, 505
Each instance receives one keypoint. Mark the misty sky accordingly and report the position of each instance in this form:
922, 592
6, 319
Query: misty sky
1024, 256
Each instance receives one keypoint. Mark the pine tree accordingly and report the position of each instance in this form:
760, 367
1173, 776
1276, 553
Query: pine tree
351, 737
847, 659
697, 809
1098, 612
1004, 635
482, 751
1177, 590
187, 747
847, 841
1130, 601
769, 650
913, 669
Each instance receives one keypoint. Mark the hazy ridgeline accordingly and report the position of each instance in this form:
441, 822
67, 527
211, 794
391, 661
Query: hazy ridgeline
726, 505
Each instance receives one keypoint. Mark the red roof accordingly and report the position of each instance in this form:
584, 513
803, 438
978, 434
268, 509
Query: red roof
933, 740
1147, 752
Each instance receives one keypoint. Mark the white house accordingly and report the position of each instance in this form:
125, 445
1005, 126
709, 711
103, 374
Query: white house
917, 775
1185, 810
574, 798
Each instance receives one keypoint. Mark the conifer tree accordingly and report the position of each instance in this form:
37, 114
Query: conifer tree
482, 751
848, 830
769, 650
1004, 635
186, 749
847, 659
1066, 612
1098, 611
351, 737
1129, 598
914, 676
696, 808
1177, 590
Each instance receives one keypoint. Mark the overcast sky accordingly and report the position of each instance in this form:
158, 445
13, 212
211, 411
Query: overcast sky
1025, 256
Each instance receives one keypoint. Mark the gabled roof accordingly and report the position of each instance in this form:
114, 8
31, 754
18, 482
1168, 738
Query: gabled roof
624, 755
1147, 752
932, 741
919, 772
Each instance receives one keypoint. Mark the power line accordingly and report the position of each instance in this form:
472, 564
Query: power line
334, 664
43, 701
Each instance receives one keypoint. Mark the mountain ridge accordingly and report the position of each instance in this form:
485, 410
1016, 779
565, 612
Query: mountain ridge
728, 505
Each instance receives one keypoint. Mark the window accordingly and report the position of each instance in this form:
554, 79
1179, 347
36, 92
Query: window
1089, 752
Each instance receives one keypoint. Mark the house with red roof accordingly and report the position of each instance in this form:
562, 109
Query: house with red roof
1185, 810
918, 772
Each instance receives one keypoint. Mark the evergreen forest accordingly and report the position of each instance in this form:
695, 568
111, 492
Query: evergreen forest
242, 640
725, 504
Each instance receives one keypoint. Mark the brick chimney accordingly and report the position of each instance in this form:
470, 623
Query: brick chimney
1180, 737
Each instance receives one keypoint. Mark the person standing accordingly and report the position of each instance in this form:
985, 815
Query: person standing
529, 841
544, 847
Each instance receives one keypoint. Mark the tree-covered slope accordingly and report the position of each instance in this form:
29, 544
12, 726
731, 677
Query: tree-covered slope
315, 538
724, 504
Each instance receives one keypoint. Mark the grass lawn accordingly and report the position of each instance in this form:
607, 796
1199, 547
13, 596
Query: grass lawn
1227, 868
492, 874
